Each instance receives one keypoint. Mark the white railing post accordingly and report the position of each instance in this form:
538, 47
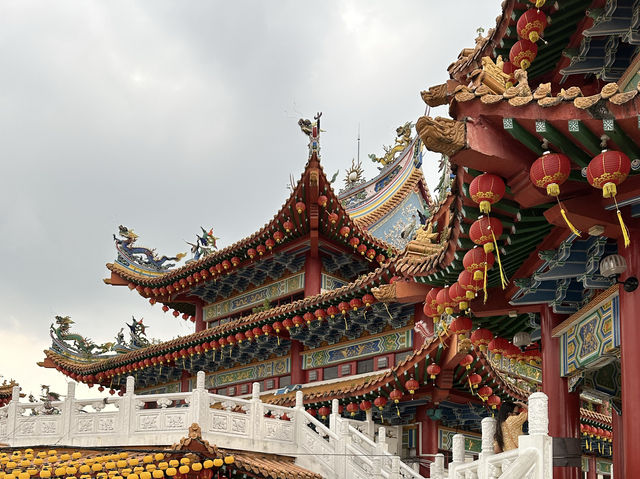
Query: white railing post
488, 426
382, 448
299, 419
257, 412
128, 410
395, 467
340, 449
68, 414
12, 415
371, 427
538, 439
200, 402
458, 453
335, 413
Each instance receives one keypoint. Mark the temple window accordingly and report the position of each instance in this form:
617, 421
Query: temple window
244, 389
269, 384
331, 372
312, 375
284, 381
401, 356
383, 362
365, 366
345, 369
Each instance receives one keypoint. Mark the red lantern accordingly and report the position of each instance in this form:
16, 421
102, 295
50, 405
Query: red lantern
324, 411
606, 171
365, 405
344, 231
522, 53
235, 261
333, 218
308, 317
176, 313
354, 241
380, 402
531, 24
165, 308
343, 307
467, 361
461, 326
485, 232
322, 200
444, 302
432, 298
267, 329
277, 326
371, 253
509, 68
480, 338
278, 236
312, 412
494, 401
240, 337
497, 346
300, 207
368, 299
262, 249
484, 392
532, 356
297, 320
380, 258
395, 395
355, 303
412, 386
251, 253
288, 226
474, 380
320, 314
270, 244
332, 311
433, 370
469, 284
352, 408
288, 324
249, 335
550, 171
362, 249
486, 190
458, 295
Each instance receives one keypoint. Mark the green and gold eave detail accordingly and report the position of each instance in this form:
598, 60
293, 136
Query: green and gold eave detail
370, 346
523, 229
591, 338
557, 35
254, 372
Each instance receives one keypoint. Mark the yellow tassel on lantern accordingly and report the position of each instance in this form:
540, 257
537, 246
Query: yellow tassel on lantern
553, 189
609, 190
625, 231
463, 305
573, 229
540, 3
477, 275
488, 247
484, 282
470, 294
503, 280
485, 206
525, 64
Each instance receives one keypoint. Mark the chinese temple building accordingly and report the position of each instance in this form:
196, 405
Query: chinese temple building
406, 318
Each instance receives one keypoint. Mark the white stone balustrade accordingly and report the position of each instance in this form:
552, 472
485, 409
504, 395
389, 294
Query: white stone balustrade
339, 451
532, 460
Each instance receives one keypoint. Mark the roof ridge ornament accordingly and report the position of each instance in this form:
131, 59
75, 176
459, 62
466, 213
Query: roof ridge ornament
312, 130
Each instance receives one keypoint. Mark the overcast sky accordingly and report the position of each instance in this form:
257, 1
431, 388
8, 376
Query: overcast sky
167, 115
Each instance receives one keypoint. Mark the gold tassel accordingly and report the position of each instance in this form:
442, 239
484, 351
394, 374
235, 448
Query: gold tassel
477, 274
573, 229
346, 326
388, 312
278, 339
623, 227
503, 280
484, 282
397, 409
485, 206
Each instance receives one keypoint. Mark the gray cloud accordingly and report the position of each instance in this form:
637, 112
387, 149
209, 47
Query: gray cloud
165, 116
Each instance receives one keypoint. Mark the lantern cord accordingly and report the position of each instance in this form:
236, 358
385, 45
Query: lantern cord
484, 280
623, 227
388, 312
573, 229
503, 280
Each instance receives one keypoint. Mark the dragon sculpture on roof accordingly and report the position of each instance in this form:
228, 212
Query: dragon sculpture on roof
403, 140
147, 258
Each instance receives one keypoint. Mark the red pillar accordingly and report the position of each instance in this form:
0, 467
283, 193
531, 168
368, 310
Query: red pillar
618, 441
312, 285
200, 324
184, 382
630, 358
564, 407
427, 437
592, 468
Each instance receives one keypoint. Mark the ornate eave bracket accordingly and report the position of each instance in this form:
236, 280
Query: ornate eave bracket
442, 135
436, 95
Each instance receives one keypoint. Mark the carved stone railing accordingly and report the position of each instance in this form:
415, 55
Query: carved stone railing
338, 451
532, 460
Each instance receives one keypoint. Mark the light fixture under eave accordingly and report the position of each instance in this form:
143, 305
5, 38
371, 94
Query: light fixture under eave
522, 339
613, 266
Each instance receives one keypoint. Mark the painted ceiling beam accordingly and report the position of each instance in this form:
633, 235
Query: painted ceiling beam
556, 138
617, 134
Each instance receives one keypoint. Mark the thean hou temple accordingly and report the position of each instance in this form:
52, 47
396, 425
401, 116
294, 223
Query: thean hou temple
374, 329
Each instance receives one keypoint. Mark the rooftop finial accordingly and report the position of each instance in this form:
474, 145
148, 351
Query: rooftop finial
312, 130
